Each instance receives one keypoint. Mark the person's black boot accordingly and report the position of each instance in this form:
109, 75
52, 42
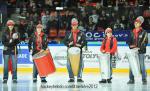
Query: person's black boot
71, 80
80, 80
130, 82
4, 81
14, 80
109, 81
144, 82
43, 81
34, 80
103, 81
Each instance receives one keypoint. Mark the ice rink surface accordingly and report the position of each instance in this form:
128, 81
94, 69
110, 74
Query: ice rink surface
59, 82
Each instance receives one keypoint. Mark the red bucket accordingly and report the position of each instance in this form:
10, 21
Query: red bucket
44, 63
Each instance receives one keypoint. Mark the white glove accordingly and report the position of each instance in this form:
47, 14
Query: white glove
31, 52
10, 41
135, 50
70, 43
78, 45
15, 36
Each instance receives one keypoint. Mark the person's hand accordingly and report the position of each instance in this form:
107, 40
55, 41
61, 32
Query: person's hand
41, 50
132, 46
70, 43
10, 41
31, 51
108, 52
15, 36
86, 48
103, 51
137, 48
78, 45
47, 48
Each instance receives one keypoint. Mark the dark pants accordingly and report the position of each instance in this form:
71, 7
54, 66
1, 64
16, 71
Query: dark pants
35, 72
142, 67
14, 66
111, 66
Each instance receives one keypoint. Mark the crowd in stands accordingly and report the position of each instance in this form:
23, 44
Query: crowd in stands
95, 16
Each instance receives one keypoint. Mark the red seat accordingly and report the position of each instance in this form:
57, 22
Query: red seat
52, 33
62, 33
146, 13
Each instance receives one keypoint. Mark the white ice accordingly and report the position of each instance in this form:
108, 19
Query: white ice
119, 83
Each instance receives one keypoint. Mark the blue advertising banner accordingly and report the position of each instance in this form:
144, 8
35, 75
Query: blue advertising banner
1, 58
122, 35
94, 36
98, 36
23, 56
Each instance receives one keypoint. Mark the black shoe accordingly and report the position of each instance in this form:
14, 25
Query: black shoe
71, 80
4, 81
80, 80
144, 82
44, 81
103, 81
130, 82
35, 80
14, 81
108, 80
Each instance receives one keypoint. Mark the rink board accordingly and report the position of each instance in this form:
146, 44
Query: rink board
90, 58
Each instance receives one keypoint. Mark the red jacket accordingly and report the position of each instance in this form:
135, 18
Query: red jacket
109, 45
136, 34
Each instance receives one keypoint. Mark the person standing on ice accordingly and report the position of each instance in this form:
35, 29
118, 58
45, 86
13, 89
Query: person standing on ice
10, 39
138, 39
109, 45
75, 38
38, 43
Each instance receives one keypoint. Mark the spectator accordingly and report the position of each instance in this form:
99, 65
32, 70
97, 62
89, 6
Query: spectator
131, 18
28, 16
102, 21
146, 24
52, 23
69, 16
84, 18
94, 16
118, 25
81, 26
45, 18
91, 25
35, 18
124, 21
111, 19
22, 30
30, 28
63, 20
91, 18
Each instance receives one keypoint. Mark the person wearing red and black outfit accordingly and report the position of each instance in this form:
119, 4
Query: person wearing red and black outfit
10, 39
109, 45
75, 38
138, 39
37, 43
